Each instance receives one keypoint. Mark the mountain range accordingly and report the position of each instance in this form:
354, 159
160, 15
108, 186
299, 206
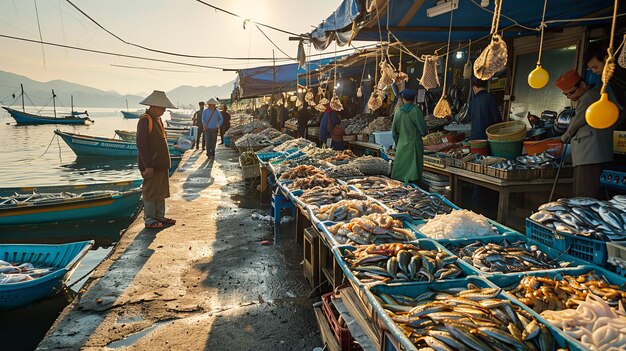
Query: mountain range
84, 96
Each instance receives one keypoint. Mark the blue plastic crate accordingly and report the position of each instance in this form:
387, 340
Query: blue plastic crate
397, 340
266, 156
332, 241
512, 237
227, 141
586, 249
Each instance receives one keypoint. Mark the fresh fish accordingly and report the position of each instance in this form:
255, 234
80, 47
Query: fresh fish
392, 267
612, 217
580, 201
553, 206
543, 216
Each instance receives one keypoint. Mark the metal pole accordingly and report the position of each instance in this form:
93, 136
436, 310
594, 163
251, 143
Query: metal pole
558, 171
22, 87
273, 78
54, 105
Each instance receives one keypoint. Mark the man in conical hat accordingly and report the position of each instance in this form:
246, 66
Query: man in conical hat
154, 160
211, 120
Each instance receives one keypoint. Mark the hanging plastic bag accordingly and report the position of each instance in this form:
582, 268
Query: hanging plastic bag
492, 60
621, 60
359, 93
335, 103
442, 109
386, 75
430, 79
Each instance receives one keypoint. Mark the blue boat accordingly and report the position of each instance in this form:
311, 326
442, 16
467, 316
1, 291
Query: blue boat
25, 118
124, 185
37, 208
133, 115
64, 258
86, 145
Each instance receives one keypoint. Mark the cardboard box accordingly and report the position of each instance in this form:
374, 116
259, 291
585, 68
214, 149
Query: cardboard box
619, 142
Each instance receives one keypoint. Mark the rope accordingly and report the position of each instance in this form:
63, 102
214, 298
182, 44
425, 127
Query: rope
609, 66
445, 73
51, 140
363, 73
496, 16
543, 26
505, 16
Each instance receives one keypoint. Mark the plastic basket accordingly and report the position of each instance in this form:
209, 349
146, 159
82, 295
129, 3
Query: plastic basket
399, 341
266, 156
341, 334
227, 142
508, 149
588, 250
506, 131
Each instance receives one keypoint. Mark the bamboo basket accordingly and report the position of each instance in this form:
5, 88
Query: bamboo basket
507, 131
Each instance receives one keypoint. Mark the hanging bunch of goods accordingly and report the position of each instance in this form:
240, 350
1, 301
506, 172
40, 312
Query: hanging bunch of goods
467, 69
359, 92
494, 58
621, 60
387, 74
442, 109
400, 76
375, 101
539, 77
298, 103
430, 78
335, 103
604, 113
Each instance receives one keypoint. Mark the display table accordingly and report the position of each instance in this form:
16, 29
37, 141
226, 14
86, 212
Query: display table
361, 148
502, 186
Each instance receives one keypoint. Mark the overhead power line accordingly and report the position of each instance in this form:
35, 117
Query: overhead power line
168, 52
270, 40
154, 69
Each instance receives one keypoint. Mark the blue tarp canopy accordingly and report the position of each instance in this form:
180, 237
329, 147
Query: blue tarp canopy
258, 81
408, 20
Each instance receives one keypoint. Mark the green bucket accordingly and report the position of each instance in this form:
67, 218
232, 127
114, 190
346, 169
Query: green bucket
506, 149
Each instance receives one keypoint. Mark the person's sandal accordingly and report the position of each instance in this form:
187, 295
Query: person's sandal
168, 221
155, 225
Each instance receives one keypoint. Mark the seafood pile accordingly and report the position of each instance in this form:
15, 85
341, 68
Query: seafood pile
466, 319
299, 143
593, 322
542, 293
358, 123
370, 165
600, 220
281, 139
313, 181
433, 123
395, 263
370, 229
16, 273
252, 140
347, 210
343, 171
254, 126
540, 161
432, 138
373, 185
320, 196
317, 153
302, 171
248, 158
505, 257
271, 133
458, 224
380, 124
413, 202
341, 157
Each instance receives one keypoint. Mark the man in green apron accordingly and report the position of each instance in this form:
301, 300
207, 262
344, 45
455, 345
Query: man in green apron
407, 130
154, 160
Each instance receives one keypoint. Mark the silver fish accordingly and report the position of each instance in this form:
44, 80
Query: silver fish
612, 217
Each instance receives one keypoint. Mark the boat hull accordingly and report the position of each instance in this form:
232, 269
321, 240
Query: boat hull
124, 205
65, 257
83, 145
23, 118
130, 115
172, 123
74, 188
126, 135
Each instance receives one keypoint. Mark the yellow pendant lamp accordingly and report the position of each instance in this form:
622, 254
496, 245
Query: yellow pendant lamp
539, 77
603, 113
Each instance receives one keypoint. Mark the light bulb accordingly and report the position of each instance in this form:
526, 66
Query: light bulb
602, 113
459, 54
369, 76
538, 78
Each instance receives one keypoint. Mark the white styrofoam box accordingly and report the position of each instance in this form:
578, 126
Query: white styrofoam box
383, 138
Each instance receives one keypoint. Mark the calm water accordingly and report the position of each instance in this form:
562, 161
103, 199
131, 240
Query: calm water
24, 161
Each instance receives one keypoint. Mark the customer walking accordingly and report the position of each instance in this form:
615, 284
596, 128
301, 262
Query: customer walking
304, 115
154, 160
211, 120
226, 124
591, 148
407, 131
197, 121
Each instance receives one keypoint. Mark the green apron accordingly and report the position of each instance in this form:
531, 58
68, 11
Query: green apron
407, 130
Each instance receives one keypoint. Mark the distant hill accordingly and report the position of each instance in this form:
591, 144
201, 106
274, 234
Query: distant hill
84, 96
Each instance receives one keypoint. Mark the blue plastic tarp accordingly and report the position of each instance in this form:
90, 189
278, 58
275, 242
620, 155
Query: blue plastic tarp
341, 18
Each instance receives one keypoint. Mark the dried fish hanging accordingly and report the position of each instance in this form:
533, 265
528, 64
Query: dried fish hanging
621, 60
442, 109
387, 72
400, 76
604, 113
467, 69
375, 101
493, 59
335, 103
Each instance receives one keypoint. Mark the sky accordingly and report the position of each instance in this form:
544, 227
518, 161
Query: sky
181, 26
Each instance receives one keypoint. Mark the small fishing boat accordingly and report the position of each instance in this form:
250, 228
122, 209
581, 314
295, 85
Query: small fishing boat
85, 145
131, 115
180, 117
61, 260
25, 118
175, 162
34, 208
73, 188
126, 135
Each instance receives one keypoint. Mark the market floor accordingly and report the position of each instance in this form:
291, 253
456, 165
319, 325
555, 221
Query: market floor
204, 284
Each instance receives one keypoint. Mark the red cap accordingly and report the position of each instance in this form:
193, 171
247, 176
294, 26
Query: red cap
568, 80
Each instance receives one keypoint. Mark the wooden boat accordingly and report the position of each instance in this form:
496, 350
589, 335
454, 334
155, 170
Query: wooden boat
63, 258
25, 118
133, 115
126, 135
34, 208
74, 188
171, 123
180, 117
175, 162
85, 145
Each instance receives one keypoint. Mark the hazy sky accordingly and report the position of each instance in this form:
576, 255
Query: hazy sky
182, 26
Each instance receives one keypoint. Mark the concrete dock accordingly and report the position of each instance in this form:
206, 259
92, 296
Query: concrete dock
206, 283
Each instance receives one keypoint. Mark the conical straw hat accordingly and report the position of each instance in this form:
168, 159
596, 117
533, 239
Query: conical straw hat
212, 101
158, 99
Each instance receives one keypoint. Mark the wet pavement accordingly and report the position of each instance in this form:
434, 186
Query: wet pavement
206, 283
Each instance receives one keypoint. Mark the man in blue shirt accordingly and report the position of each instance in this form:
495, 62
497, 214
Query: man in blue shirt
211, 120
483, 110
